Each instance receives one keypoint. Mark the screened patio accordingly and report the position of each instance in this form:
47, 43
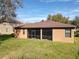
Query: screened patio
40, 33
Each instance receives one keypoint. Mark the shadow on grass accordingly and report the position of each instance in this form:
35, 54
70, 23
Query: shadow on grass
5, 37
77, 56
77, 47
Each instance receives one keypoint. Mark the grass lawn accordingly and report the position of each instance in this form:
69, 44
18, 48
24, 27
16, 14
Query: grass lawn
13, 48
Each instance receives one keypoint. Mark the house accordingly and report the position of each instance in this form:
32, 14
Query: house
47, 29
7, 26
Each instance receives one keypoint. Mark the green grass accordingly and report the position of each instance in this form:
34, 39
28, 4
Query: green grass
13, 48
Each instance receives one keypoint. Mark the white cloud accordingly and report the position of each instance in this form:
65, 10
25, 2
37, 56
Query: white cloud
33, 19
48, 1
77, 1
27, 18
21, 15
74, 11
55, 0
68, 13
64, 0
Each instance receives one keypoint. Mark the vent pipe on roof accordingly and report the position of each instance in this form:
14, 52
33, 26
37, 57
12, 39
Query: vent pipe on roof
42, 21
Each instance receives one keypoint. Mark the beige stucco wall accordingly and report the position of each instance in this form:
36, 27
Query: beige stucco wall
59, 36
20, 34
6, 28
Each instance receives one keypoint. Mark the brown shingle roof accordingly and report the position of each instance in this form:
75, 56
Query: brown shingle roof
46, 24
10, 21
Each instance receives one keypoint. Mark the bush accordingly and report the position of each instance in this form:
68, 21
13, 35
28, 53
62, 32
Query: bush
5, 37
77, 33
12, 35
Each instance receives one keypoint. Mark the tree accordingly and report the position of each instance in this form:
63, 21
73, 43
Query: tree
49, 16
59, 18
75, 21
8, 8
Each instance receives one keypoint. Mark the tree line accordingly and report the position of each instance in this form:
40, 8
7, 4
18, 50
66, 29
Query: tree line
62, 19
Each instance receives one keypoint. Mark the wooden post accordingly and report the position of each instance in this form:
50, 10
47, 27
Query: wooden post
52, 35
41, 34
26, 32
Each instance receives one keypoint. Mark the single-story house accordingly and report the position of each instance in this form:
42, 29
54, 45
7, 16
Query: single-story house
47, 29
7, 25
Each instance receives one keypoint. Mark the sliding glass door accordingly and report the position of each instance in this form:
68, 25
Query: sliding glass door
34, 33
47, 34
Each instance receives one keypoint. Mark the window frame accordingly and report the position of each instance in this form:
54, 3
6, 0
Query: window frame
6, 29
68, 33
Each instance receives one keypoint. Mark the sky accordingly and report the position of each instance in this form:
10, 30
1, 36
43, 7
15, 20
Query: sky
37, 10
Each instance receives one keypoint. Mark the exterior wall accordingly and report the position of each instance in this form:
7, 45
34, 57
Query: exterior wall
6, 28
19, 33
59, 35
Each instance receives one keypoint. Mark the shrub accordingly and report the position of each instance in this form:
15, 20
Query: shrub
12, 35
77, 33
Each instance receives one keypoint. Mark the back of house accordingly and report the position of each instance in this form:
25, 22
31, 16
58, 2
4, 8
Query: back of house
48, 29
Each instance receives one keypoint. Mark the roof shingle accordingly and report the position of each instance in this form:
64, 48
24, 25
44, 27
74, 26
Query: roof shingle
46, 24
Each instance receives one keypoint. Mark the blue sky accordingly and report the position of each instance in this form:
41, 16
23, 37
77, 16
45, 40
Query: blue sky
36, 10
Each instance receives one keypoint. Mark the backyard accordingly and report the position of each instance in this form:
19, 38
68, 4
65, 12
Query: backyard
13, 48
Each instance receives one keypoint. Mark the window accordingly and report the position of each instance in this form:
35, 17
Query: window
34, 33
24, 31
6, 29
4, 23
67, 32
47, 34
